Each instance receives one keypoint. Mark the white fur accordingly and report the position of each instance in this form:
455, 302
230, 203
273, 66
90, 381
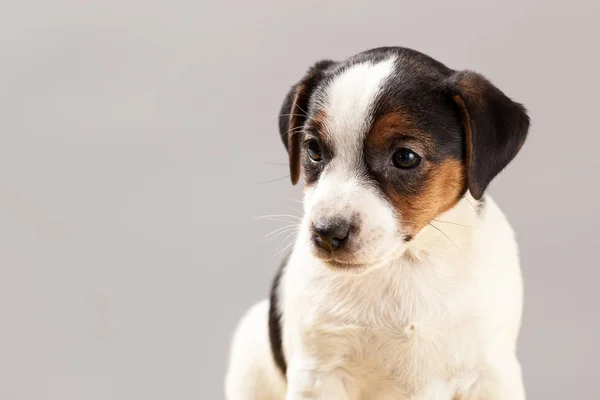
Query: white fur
436, 319
349, 100
342, 191
252, 373
441, 323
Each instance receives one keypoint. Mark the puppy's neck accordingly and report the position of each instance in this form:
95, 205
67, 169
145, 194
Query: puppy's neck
449, 235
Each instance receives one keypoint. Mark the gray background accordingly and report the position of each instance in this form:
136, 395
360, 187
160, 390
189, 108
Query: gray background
135, 137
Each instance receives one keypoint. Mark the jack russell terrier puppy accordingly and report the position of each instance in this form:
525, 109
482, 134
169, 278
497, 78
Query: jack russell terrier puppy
404, 281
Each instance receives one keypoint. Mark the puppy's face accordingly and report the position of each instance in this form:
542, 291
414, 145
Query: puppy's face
385, 142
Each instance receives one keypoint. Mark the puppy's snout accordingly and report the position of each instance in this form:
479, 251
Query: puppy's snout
331, 235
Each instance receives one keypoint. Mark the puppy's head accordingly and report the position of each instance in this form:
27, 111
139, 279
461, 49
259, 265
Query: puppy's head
386, 141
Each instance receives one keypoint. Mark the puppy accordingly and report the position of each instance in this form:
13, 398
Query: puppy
404, 281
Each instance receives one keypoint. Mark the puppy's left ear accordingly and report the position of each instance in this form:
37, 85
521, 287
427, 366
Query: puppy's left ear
495, 126
293, 113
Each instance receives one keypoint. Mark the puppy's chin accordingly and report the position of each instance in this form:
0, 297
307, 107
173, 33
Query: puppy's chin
357, 267
344, 267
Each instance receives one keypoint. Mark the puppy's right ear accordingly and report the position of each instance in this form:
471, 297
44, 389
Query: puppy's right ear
294, 113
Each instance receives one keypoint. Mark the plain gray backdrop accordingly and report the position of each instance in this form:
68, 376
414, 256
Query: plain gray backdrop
136, 138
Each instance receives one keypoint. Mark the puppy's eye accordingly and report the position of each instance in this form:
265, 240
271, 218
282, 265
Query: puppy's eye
406, 158
314, 150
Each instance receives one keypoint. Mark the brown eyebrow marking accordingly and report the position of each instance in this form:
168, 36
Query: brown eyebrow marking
317, 124
444, 179
394, 126
441, 191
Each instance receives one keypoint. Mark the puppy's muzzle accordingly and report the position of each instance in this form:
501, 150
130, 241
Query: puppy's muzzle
331, 235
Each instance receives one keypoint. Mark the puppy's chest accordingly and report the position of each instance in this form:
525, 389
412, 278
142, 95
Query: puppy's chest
394, 331
392, 336
391, 363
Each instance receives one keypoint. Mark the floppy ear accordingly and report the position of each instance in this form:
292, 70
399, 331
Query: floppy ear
293, 113
496, 127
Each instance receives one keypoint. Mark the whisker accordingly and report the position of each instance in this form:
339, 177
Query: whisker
283, 242
301, 109
282, 229
300, 212
274, 163
284, 249
290, 199
273, 180
472, 206
464, 197
447, 237
277, 216
293, 130
287, 237
452, 223
296, 128
279, 220
292, 230
455, 188
287, 115
289, 221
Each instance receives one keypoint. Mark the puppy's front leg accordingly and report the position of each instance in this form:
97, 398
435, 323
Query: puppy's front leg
501, 381
306, 382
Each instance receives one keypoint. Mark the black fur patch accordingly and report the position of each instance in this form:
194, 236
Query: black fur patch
275, 321
465, 115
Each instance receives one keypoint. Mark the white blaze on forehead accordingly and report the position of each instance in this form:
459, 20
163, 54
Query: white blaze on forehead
348, 103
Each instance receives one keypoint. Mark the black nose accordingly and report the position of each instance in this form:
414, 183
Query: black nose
331, 235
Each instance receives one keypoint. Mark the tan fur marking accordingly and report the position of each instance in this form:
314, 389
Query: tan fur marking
318, 124
294, 135
441, 191
393, 124
446, 179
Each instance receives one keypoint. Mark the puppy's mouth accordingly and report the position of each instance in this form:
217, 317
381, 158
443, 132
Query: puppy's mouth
340, 261
344, 265
340, 264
